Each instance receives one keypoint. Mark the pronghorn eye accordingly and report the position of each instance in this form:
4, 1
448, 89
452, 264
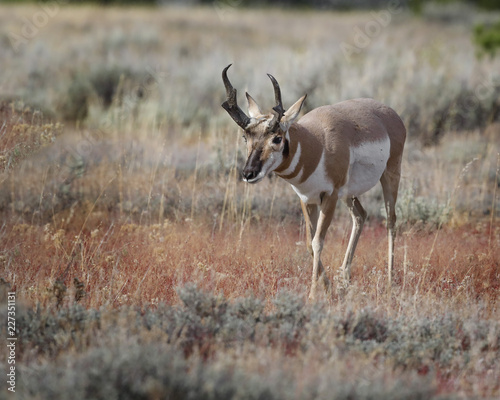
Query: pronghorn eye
277, 139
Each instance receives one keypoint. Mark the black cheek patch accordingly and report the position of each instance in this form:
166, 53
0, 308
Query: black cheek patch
286, 149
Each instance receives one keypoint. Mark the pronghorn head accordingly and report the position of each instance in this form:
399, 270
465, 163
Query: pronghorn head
264, 134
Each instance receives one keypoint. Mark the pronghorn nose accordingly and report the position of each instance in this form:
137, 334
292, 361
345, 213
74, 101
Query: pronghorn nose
250, 174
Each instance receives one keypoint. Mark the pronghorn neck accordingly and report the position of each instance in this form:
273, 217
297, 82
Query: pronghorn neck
305, 165
301, 153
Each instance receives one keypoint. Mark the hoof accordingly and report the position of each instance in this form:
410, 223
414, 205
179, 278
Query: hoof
346, 275
312, 294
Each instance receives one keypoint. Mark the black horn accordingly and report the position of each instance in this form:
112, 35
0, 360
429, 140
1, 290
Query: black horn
231, 105
280, 111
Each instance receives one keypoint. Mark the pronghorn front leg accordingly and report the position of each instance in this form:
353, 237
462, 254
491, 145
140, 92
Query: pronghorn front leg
311, 214
327, 209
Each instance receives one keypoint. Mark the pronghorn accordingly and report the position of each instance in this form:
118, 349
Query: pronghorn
334, 151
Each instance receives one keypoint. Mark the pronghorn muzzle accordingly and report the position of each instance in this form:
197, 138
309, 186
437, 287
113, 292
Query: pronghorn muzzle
253, 167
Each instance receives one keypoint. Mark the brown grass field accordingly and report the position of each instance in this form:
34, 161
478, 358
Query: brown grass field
144, 268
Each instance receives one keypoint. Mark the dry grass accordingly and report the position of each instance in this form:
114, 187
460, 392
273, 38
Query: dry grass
435, 333
107, 218
143, 264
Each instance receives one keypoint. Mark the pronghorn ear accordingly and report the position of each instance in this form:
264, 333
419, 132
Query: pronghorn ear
253, 107
292, 113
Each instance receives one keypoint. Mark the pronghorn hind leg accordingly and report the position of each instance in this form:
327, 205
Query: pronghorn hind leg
311, 215
358, 215
390, 186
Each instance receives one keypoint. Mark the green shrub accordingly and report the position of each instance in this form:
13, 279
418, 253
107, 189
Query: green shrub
208, 348
106, 83
487, 38
412, 210
74, 105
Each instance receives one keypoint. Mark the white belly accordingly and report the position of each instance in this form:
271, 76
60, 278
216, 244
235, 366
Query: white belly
366, 166
318, 182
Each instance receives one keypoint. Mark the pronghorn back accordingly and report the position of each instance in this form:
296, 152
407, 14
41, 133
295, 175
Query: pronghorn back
354, 122
353, 114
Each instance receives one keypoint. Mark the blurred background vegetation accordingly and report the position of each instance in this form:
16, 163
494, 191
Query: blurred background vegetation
322, 4
137, 90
